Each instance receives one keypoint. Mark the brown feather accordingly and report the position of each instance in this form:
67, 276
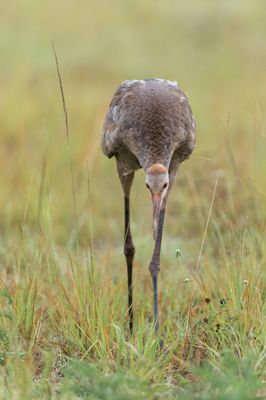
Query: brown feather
150, 120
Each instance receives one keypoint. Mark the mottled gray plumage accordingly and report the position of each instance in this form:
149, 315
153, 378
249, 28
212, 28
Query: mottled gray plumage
149, 121
149, 125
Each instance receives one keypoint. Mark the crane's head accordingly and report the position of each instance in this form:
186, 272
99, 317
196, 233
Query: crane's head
157, 181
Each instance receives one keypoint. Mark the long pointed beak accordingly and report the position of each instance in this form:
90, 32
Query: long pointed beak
156, 202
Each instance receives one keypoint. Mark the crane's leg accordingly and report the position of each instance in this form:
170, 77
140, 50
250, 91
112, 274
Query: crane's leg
155, 266
129, 248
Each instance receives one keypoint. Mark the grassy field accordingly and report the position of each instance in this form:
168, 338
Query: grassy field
63, 290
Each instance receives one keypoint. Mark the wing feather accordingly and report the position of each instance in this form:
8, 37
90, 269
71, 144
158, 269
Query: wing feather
111, 135
151, 118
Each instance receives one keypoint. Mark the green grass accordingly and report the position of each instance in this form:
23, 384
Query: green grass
63, 291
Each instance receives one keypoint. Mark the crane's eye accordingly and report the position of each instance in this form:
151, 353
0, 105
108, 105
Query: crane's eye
165, 185
147, 186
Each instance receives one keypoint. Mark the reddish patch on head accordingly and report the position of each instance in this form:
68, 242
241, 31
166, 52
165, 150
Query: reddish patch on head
157, 169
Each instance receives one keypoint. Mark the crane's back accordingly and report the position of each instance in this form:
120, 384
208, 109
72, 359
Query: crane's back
151, 118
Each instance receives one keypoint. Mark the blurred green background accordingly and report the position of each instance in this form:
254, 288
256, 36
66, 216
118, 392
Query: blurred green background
215, 50
53, 226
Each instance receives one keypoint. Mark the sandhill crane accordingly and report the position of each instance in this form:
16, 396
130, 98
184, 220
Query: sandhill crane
149, 125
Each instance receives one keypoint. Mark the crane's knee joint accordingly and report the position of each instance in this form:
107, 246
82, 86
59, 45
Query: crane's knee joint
129, 249
154, 268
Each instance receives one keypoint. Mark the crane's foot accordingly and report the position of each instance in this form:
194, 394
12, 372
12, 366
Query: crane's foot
161, 344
